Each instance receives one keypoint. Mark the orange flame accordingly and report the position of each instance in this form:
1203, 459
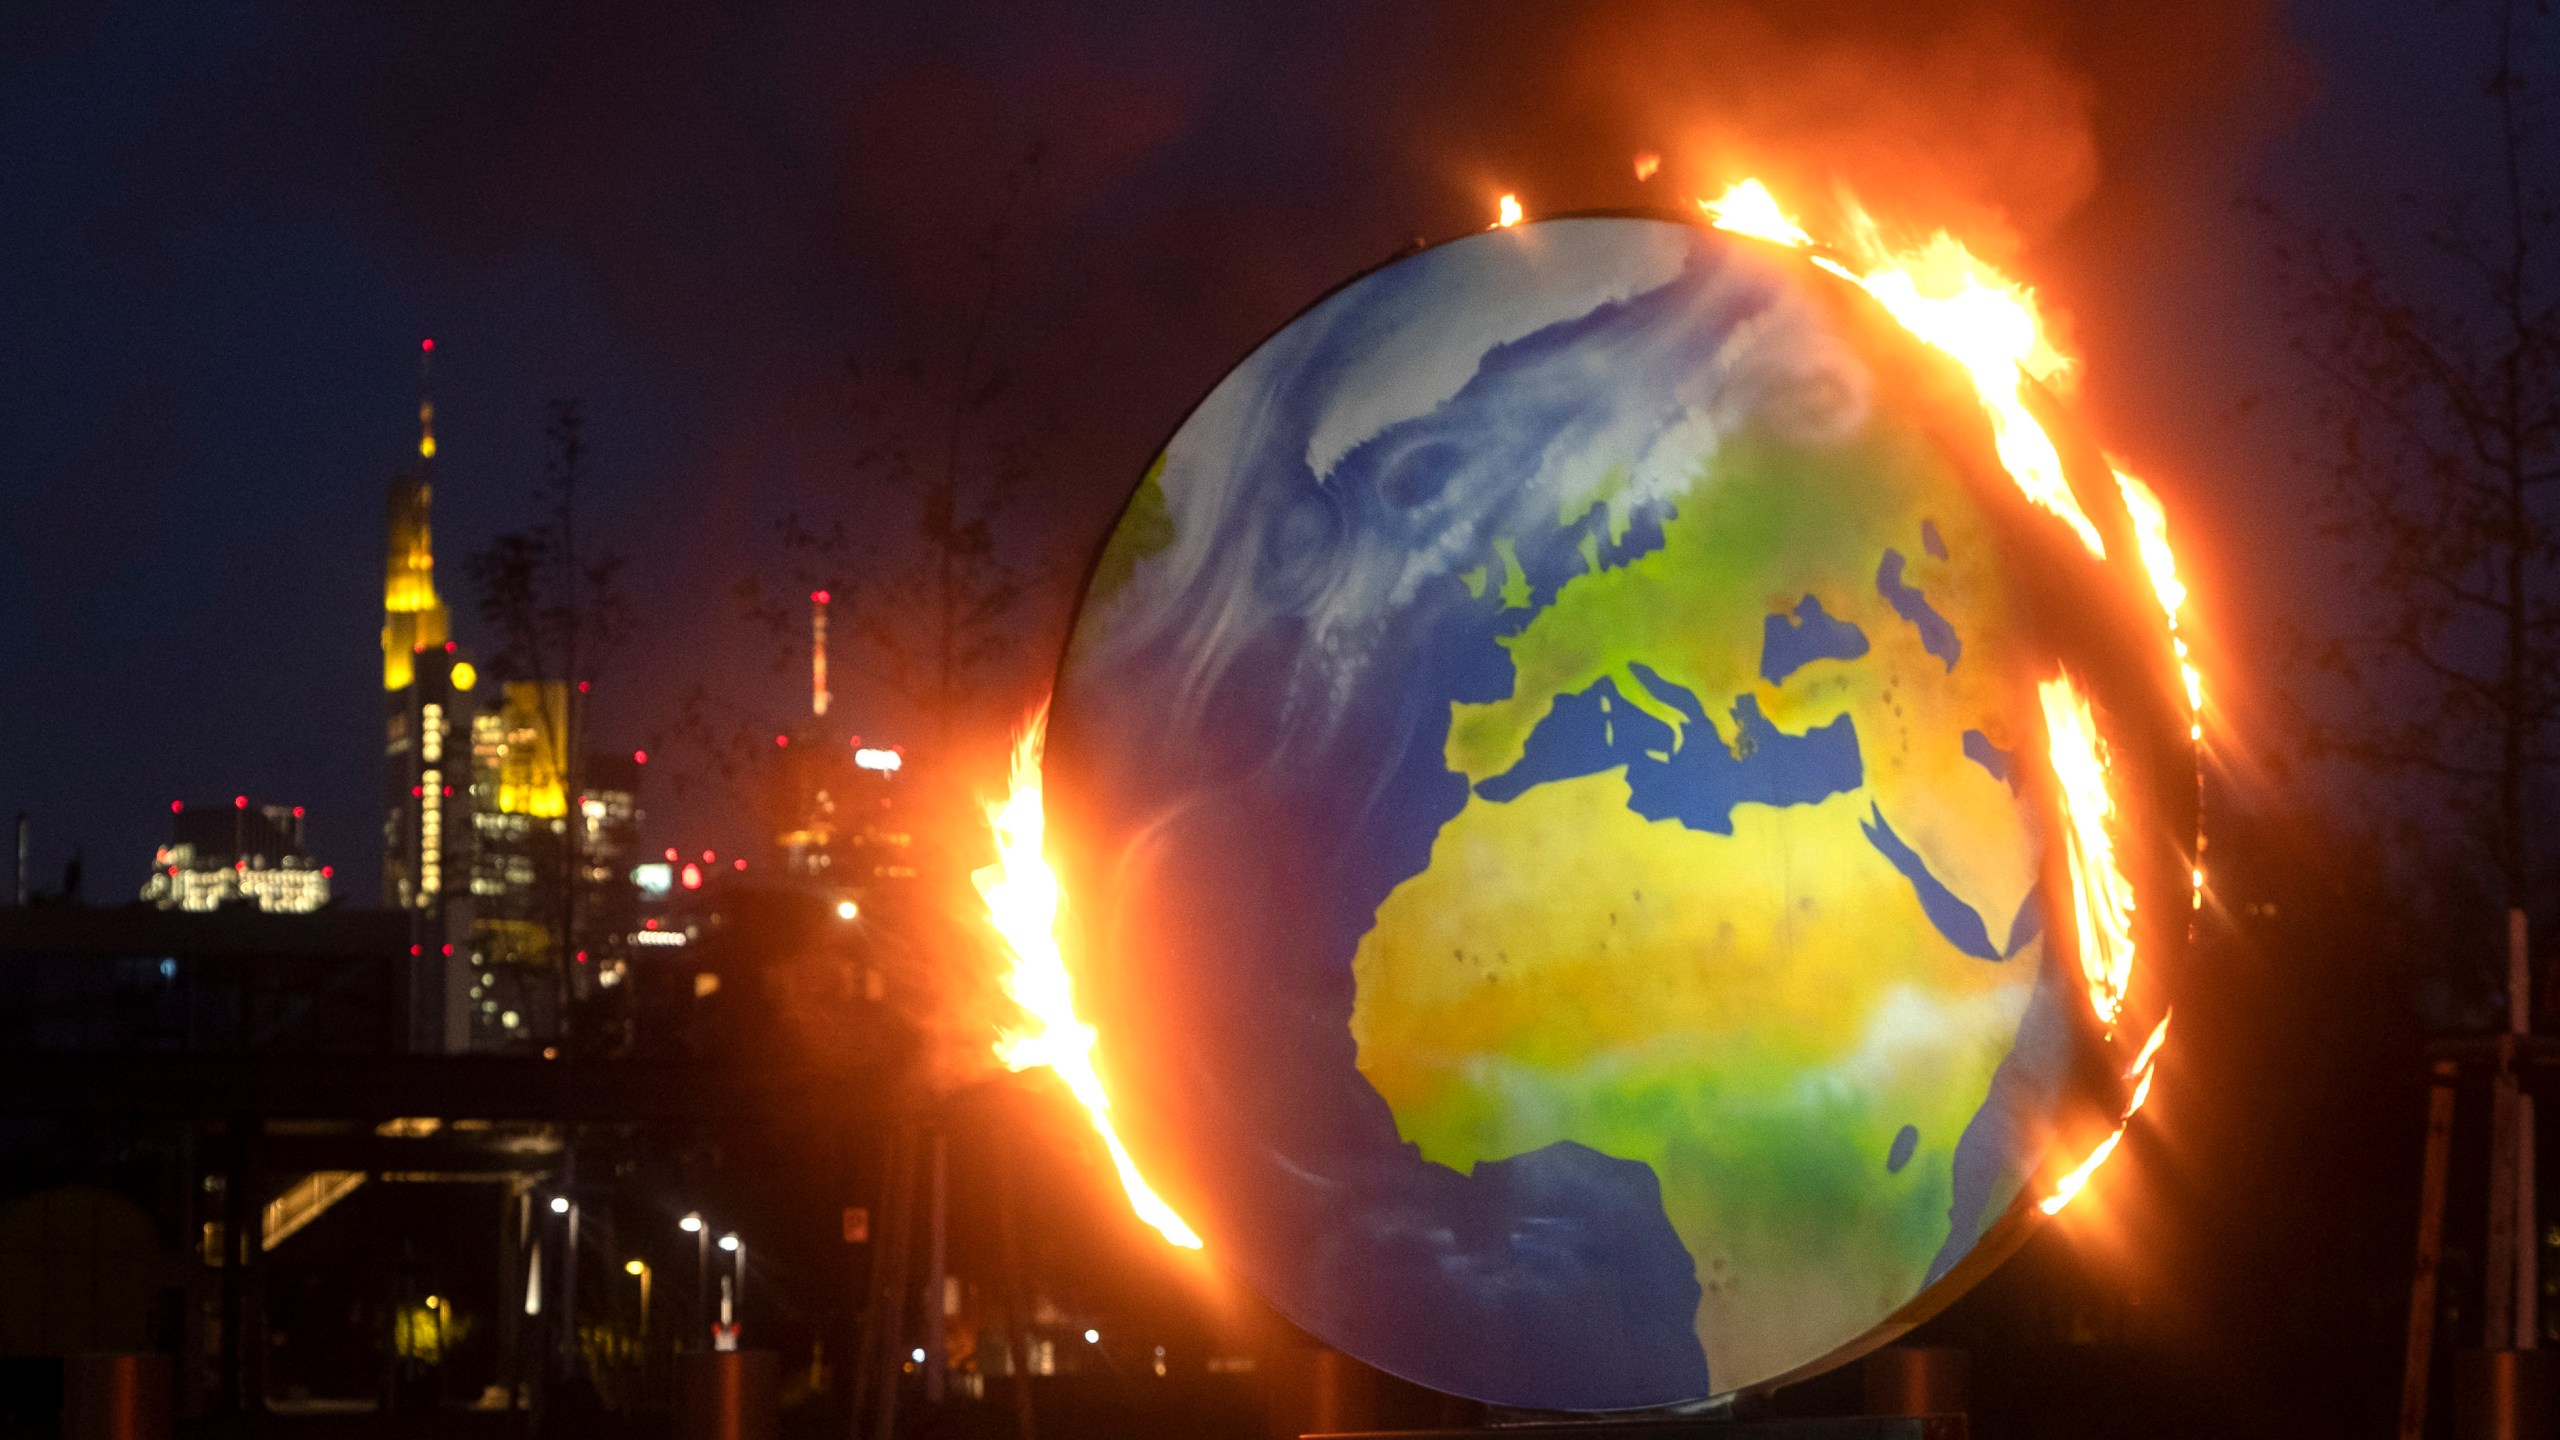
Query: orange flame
2102, 896
2140, 1073
1647, 164
1749, 209
1023, 899
2151, 535
1949, 298
1506, 212
1989, 325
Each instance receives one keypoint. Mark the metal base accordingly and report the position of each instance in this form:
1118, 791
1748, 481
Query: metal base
1851, 1427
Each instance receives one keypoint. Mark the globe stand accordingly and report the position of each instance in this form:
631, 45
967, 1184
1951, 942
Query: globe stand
1694, 1427
1912, 1392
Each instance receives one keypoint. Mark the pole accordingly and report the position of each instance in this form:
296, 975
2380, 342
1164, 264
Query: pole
701, 1282
2528, 1281
1017, 1301
568, 1361
2508, 1252
875, 1415
738, 1267
936, 1280
2422, 1275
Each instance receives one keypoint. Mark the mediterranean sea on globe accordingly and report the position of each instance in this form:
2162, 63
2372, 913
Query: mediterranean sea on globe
1538, 777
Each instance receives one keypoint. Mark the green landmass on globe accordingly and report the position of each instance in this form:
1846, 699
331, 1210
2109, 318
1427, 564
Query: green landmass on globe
1768, 1003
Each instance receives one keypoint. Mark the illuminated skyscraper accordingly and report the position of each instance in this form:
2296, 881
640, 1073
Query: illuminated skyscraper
426, 684
519, 813
221, 855
836, 801
427, 687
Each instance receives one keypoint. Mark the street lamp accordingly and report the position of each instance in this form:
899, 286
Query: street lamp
692, 1225
640, 1268
737, 1249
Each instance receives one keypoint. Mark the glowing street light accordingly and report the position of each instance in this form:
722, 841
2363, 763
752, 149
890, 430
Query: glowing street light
846, 910
729, 1243
635, 1266
559, 1204
692, 1225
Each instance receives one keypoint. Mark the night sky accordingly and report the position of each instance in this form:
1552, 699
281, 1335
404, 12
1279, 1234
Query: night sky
227, 226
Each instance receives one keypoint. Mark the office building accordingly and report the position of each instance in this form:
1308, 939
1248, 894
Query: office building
237, 854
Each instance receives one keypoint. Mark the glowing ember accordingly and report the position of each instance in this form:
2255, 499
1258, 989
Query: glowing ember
1507, 214
1749, 209
2140, 1072
1647, 164
2102, 898
1022, 898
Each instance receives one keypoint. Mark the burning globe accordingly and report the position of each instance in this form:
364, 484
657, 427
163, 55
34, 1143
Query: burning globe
1605, 808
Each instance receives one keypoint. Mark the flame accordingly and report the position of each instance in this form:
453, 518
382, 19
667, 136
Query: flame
1989, 325
1948, 297
1023, 899
2102, 896
1749, 209
1507, 213
2140, 1073
1647, 164
2151, 536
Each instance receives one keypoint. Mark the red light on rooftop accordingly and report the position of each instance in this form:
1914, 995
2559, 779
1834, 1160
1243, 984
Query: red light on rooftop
821, 596
239, 802
582, 957
582, 687
738, 864
327, 871
708, 857
427, 345
783, 741
177, 807
448, 949
639, 757
448, 647
297, 812
671, 854
417, 949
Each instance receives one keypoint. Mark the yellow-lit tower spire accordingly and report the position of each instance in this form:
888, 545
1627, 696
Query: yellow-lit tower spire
413, 617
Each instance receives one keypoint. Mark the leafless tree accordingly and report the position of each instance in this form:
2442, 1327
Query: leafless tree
947, 449
2439, 402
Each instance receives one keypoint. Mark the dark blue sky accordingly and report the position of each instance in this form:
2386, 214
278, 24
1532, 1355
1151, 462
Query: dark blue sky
226, 226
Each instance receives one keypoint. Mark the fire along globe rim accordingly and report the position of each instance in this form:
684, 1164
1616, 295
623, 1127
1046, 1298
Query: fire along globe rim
2083, 615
